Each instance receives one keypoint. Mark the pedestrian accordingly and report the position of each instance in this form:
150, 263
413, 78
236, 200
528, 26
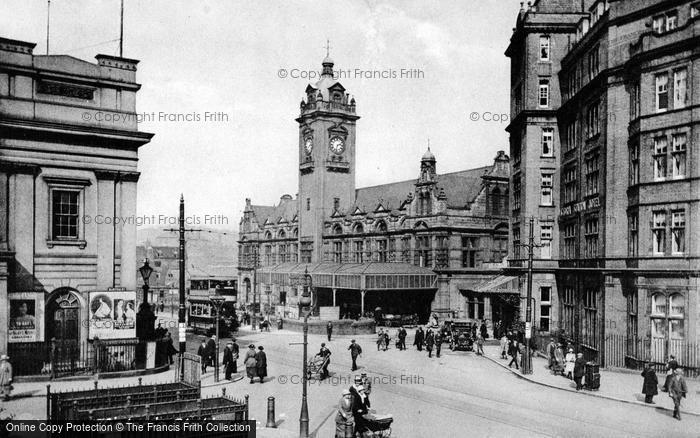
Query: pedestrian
671, 366
355, 350
387, 339
161, 306
429, 342
579, 370
480, 345
418, 340
325, 353
366, 384
438, 344
570, 360
380, 339
261, 364
329, 330
344, 420
504, 346
171, 350
203, 355
359, 407
160, 331
211, 350
5, 377
559, 358
551, 349
651, 383
483, 331
677, 389
514, 351
402, 338
250, 363
227, 360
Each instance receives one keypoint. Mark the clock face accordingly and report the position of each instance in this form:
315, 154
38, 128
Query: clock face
337, 145
308, 145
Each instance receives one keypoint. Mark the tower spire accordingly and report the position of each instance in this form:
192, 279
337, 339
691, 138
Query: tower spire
327, 61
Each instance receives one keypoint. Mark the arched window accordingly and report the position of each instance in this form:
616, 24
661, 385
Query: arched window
337, 229
281, 234
677, 306
358, 228
496, 201
295, 233
381, 227
268, 235
658, 304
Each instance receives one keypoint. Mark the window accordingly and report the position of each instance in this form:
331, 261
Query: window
634, 101
678, 154
661, 81
294, 253
475, 306
423, 252
665, 23
694, 10
632, 312
546, 242
592, 175
65, 213
634, 163
545, 307
589, 327
544, 93
660, 149
633, 234
667, 324
593, 62
358, 251
546, 187
544, 48
516, 193
516, 243
658, 230
591, 237
268, 255
570, 187
470, 247
336, 203
571, 136
678, 231
282, 251
680, 94
568, 302
570, 240
308, 204
500, 248
382, 250
547, 142
592, 122
338, 252
406, 249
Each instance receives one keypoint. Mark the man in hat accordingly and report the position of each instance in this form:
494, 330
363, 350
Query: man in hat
579, 370
211, 350
359, 399
329, 330
325, 353
402, 338
551, 349
367, 385
355, 350
203, 355
677, 389
261, 364
230, 358
5, 376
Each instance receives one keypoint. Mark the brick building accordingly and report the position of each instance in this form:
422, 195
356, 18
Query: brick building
604, 104
416, 246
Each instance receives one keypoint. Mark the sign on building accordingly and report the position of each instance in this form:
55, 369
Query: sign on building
26, 316
112, 315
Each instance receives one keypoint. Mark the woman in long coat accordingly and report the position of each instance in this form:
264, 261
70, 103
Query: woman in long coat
344, 420
261, 364
570, 363
651, 384
250, 363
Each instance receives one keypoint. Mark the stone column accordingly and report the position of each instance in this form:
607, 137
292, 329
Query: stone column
334, 291
362, 302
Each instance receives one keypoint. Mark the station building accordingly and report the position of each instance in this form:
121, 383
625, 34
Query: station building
420, 246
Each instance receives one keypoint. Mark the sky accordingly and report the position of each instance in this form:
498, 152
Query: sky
227, 58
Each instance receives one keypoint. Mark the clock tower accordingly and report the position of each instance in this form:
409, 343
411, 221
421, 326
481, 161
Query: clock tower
326, 159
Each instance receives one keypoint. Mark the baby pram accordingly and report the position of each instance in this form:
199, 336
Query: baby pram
315, 366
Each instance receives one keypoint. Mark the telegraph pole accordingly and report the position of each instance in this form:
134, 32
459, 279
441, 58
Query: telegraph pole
181, 314
527, 363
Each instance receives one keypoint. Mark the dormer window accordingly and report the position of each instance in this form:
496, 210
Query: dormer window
666, 22
337, 97
311, 98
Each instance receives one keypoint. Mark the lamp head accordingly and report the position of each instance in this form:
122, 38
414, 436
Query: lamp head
145, 271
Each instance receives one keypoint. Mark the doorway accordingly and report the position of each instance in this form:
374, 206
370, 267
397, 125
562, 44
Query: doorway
63, 331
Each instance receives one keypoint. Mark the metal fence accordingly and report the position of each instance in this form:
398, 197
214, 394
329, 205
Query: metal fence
622, 351
60, 359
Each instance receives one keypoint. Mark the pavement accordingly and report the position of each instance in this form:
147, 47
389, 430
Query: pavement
619, 386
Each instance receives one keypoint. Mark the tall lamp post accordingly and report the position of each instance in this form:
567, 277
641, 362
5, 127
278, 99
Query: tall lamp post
305, 301
145, 317
527, 361
254, 317
217, 301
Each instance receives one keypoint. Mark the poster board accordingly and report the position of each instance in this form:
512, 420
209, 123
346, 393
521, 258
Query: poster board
112, 315
329, 312
26, 316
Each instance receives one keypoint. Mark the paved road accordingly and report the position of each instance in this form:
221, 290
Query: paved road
458, 394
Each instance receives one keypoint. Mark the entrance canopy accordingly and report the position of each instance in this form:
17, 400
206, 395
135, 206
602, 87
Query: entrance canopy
501, 284
364, 276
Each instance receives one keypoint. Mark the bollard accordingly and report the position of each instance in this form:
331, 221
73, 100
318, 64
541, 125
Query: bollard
271, 413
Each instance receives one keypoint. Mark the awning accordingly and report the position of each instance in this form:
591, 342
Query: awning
501, 284
362, 276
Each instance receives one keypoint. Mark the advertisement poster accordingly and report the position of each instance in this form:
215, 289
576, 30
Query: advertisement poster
26, 316
112, 315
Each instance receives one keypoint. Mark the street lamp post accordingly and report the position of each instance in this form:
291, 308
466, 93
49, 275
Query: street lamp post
254, 318
527, 361
305, 301
145, 317
217, 301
